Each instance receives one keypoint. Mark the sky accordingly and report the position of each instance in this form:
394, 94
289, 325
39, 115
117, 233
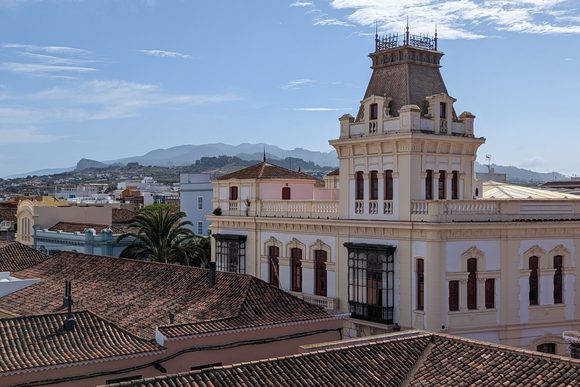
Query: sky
106, 79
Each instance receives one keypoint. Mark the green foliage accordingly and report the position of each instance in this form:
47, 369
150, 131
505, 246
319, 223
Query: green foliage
163, 207
163, 237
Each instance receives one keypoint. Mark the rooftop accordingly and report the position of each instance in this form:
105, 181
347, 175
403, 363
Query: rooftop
409, 358
15, 256
81, 227
265, 170
495, 190
139, 296
32, 342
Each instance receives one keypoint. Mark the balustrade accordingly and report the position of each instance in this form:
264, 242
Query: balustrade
373, 206
388, 207
359, 206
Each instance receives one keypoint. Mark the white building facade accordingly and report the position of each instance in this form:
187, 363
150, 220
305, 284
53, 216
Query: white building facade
407, 237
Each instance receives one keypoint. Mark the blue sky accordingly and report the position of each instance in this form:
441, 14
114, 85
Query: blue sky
106, 79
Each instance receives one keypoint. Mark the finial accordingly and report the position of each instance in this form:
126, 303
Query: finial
264, 153
376, 35
407, 32
435, 37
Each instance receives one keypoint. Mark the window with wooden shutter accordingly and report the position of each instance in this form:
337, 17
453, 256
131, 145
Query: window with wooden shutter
273, 254
320, 279
285, 193
374, 186
388, 178
533, 281
360, 186
490, 293
296, 269
472, 283
558, 280
420, 284
453, 295
429, 185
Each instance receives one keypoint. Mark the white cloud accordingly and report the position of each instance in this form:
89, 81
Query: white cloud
465, 19
297, 84
331, 22
15, 136
96, 100
42, 69
165, 54
49, 61
533, 162
48, 49
320, 109
302, 4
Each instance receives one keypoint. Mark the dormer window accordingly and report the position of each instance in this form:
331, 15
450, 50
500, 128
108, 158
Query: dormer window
442, 110
374, 111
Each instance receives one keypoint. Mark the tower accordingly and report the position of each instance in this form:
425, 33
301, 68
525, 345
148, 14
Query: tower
406, 144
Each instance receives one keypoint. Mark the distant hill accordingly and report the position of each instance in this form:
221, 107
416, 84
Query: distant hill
87, 164
523, 176
189, 154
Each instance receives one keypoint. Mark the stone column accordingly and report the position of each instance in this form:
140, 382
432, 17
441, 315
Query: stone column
461, 187
435, 184
463, 295
422, 178
448, 185
480, 292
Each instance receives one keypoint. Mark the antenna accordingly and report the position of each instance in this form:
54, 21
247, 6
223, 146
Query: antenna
488, 158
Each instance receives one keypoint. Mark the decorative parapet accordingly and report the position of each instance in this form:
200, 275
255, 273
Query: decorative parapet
494, 210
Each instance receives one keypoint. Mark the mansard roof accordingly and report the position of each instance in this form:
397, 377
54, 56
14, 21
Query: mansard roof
265, 170
409, 358
138, 296
407, 72
15, 256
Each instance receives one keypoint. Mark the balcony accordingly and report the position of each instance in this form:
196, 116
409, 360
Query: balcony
327, 303
510, 210
282, 208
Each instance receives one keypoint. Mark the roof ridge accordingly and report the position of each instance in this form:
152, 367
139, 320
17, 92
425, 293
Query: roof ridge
506, 348
262, 169
418, 363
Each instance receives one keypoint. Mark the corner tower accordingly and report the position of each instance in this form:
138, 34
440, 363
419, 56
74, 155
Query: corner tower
406, 145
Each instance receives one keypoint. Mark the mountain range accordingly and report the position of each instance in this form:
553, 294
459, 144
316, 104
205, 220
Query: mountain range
188, 154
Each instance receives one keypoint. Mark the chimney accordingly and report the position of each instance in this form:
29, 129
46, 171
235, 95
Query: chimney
212, 274
69, 323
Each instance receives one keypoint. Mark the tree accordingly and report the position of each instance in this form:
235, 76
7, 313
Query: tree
199, 252
162, 237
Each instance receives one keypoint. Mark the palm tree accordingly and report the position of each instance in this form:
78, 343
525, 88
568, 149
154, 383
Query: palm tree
162, 236
200, 252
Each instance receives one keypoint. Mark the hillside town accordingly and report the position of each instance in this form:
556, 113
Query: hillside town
400, 265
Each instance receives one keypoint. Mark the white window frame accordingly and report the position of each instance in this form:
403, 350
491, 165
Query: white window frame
200, 202
199, 228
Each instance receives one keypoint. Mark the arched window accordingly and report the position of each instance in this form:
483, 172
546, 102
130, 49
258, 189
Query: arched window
296, 269
285, 193
273, 254
455, 185
442, 178
420, 284
374, 186
547, 348
320, 281
360, 186
533, 280
558, 279
429, 185
388, 195
472, 283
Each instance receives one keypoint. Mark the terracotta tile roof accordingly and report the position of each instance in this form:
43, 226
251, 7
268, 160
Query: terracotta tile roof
138, 296
334, 172
31, 342
265, 170
122, 215
81, 227
14, 256
420, 359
